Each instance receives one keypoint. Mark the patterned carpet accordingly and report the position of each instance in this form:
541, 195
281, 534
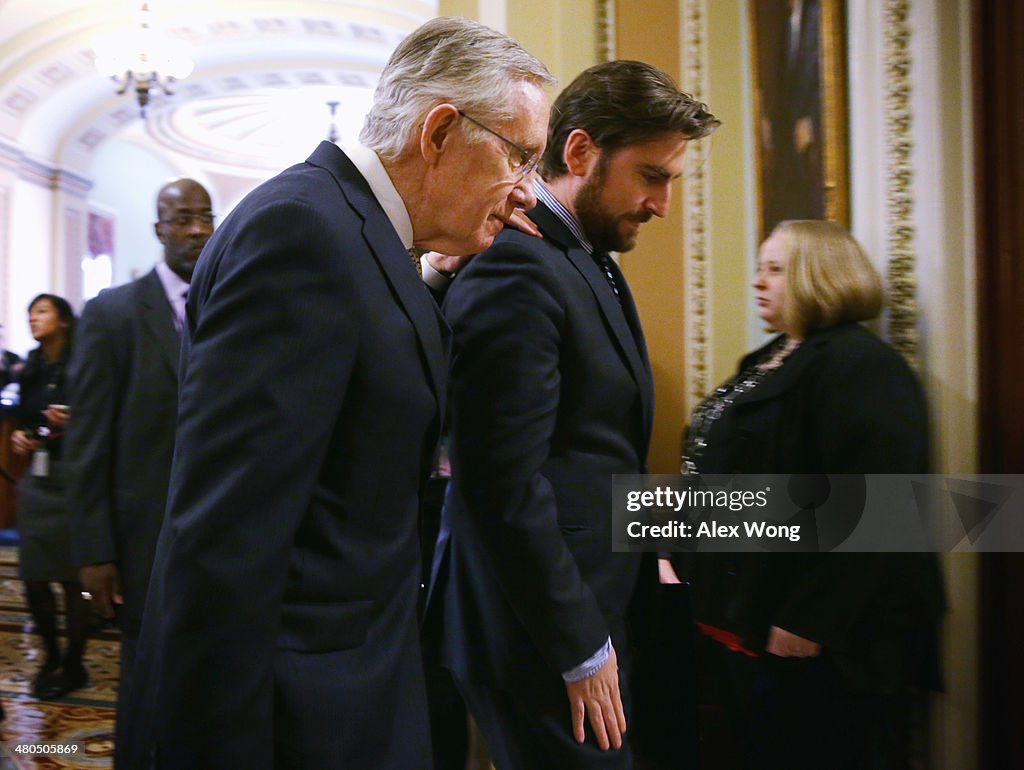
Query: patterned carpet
82, 721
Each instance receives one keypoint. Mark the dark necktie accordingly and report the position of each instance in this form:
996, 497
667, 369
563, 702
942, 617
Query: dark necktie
604, 261
414, 256
179, 310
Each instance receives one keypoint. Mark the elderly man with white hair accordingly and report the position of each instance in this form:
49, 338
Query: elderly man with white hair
280, 628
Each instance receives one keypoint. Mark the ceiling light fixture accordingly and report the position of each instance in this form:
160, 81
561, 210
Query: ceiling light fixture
144, 55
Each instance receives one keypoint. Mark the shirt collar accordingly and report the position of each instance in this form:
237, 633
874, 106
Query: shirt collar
545, 196
173, 283
383, 189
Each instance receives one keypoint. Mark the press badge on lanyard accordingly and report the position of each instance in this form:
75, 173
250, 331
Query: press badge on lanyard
40, 467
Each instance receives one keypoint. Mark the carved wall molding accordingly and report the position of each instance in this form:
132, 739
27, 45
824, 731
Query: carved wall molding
899, 144
696, 192
42, 174
605, 30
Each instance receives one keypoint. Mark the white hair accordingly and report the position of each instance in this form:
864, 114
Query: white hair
448, 60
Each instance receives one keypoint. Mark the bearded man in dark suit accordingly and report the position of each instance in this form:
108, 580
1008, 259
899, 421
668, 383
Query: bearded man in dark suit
124, 398
280, 629
552, 394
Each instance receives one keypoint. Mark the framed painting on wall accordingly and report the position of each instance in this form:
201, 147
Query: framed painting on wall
798, 50
98, 260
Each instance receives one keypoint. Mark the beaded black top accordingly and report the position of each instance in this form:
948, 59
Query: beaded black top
712, 408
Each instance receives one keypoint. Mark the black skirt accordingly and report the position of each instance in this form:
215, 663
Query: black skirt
44, 527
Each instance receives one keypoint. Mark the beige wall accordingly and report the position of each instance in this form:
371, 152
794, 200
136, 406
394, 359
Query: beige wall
657, 267
561, 33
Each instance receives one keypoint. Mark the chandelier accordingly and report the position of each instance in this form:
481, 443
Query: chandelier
145, 56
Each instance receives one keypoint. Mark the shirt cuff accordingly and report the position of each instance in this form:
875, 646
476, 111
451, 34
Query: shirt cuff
591, 665
436, 280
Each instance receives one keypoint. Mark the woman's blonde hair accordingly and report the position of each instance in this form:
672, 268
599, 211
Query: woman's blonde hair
829, 279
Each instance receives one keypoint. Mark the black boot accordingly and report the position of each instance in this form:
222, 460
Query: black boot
72, 676
43, 606
44, 677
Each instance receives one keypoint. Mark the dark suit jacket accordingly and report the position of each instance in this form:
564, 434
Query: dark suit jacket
551, 394
843, 403
280, 629
124, 402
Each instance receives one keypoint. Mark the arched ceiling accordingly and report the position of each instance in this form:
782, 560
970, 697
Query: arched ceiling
256, 100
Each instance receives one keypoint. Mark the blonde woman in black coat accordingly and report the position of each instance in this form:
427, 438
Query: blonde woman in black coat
814, 654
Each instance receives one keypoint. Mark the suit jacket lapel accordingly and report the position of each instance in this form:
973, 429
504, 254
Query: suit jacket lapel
158, 318
413, 297
633, 319
621, 316
786, 377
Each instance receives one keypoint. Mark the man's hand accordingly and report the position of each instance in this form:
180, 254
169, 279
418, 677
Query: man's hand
523, 223
785, 644
449, 265
103, 581
667, 573
598, 698
22, 443
445, 264
56, 416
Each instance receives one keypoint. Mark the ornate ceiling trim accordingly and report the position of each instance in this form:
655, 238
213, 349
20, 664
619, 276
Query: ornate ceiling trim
57, 107
42, 174
225, 90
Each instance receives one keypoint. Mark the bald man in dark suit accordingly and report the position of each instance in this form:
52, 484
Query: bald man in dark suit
124, 399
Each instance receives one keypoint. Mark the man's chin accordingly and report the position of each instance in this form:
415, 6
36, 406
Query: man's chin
482, 244
485, 236
622, 244
471, 243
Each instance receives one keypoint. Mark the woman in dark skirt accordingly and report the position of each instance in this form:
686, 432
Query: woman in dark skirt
44, 531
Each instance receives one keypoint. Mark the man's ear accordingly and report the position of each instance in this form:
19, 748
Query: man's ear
156, 229
580, 153
436, 133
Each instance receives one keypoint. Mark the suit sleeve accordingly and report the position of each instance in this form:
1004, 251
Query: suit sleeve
867, 416
93, 378
508, 323
273, 337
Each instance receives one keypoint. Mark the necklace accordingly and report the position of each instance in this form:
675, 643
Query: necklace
711, 409
775, 357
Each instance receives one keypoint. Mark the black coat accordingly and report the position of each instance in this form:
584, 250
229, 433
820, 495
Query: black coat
124, 402
280, 626
551, 394
843, 402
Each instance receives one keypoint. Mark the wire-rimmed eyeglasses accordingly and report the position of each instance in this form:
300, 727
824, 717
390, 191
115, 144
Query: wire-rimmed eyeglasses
523, 163
184, 220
